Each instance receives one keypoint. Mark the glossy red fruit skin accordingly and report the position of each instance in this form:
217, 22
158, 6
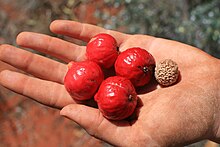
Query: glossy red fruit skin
83, 79
136, 64
116, 98
102, 49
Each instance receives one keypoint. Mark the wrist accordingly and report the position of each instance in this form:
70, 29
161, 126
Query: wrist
217, 115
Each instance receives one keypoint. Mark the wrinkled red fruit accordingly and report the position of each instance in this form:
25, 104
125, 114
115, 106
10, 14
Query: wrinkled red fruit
136, 64
83, 79
102, 49
116, 98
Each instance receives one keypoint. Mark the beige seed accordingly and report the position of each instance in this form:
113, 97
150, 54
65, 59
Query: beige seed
166, 72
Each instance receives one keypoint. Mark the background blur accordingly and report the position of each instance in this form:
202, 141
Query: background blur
24, 122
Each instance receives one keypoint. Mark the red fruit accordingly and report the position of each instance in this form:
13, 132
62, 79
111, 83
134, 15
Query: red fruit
102, 49
83, 79
116, 98
136, 64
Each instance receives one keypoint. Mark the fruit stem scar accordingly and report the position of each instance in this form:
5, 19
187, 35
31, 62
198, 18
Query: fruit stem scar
130, 97
145, 69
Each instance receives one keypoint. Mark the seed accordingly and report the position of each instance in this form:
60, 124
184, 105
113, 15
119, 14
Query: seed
166, 72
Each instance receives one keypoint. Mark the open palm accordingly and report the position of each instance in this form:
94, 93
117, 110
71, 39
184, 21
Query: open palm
176, 115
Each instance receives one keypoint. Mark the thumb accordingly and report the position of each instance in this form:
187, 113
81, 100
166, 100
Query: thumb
94, 123
84, 116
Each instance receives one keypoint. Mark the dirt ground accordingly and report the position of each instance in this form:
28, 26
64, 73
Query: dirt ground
24, 122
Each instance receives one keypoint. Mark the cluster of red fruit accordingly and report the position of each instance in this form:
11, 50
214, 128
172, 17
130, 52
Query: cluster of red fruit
116, 96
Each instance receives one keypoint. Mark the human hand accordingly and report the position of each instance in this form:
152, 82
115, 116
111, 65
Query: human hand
180, 114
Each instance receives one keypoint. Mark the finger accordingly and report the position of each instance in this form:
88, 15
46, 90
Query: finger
4, 66
56, 47
34, 64
95, 124
45, 92
83, 31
